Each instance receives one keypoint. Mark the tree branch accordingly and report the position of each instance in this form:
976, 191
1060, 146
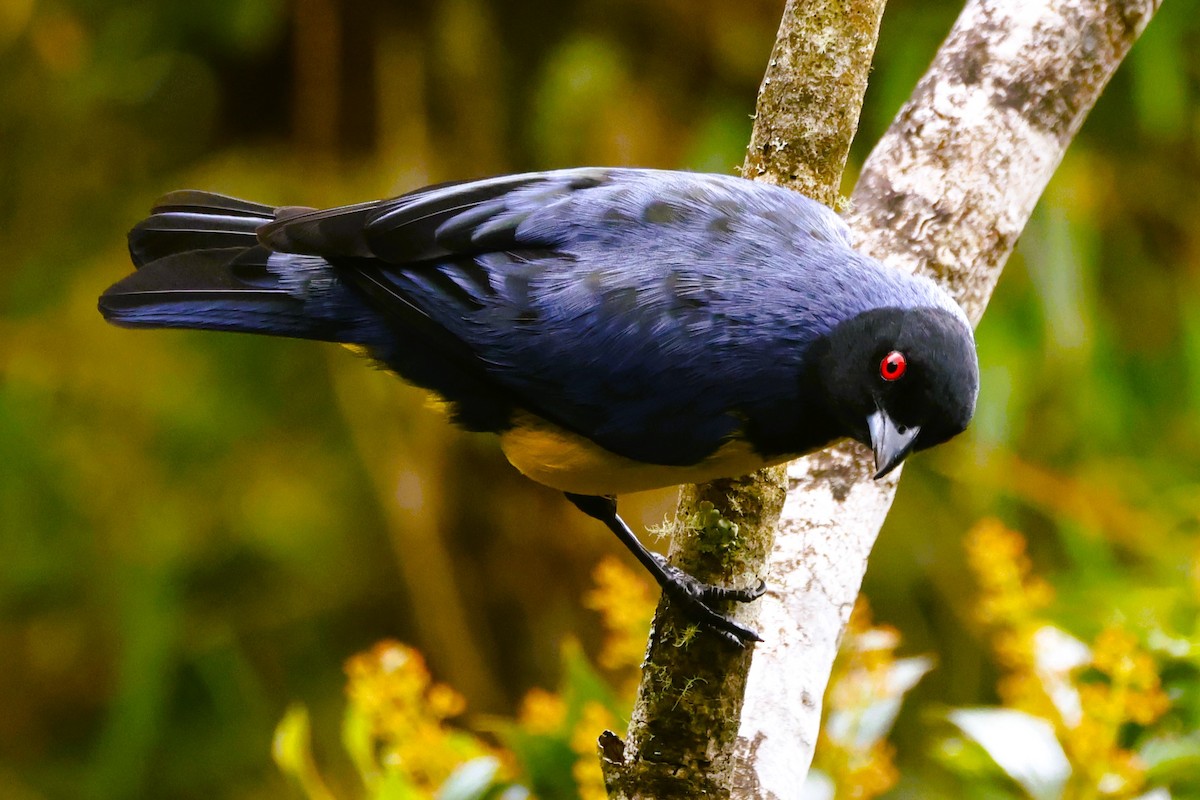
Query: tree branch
811, 95
684, 725
946, 192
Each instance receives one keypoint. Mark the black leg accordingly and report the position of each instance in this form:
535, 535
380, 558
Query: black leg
681, 587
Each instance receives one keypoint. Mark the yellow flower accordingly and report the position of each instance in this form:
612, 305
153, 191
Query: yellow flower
1113, 651
874, 775
1128, 689
541, 711
859, 680
997, 558
444, 702
626, 605
586, 770
405, 712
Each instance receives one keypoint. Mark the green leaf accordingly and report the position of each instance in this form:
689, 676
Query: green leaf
292, 751
582, 684
1022, 745
546, 760
360, 745
471, 781
1171, 758
861, 727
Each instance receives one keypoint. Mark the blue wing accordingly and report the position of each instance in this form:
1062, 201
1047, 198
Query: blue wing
657, 313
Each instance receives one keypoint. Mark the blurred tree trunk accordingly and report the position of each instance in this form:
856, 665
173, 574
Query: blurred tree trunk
317, 60
946, 192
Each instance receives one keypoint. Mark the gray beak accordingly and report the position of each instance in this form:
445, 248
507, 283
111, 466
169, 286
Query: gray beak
890, 443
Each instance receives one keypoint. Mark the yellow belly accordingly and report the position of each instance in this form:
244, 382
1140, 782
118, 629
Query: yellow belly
571, 463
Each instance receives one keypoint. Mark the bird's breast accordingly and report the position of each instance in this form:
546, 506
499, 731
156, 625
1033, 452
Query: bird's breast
569, 462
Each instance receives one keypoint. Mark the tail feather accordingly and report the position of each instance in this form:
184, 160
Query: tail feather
194, 201
192, 220
177, 232
200, 266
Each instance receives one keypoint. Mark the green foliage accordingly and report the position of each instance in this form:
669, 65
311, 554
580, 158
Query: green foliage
547, 745
1074, 713
718, 533
1077, 721
397, 733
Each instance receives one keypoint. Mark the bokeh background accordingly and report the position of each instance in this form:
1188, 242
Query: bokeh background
197, 529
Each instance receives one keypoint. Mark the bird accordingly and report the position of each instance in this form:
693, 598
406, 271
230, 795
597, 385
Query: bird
619, 329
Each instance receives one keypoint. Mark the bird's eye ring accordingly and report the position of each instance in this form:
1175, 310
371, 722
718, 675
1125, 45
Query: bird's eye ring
893, 366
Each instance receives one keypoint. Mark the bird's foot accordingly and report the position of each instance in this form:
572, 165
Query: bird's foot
695, 598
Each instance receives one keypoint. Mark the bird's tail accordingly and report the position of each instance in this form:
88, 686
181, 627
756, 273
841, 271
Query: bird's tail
200, 265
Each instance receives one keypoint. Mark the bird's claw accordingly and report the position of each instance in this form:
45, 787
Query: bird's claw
695, 597
748, 595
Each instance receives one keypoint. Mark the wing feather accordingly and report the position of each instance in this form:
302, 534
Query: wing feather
599, 299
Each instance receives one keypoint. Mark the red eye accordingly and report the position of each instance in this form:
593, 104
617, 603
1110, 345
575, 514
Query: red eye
893, 366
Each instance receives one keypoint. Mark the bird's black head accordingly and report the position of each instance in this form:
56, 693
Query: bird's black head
901, 380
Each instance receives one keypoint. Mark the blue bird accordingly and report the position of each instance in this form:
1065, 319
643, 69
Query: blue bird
619, 329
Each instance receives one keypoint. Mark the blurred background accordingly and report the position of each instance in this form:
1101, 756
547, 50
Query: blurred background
197, 529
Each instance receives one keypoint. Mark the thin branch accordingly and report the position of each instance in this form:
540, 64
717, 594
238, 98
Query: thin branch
946, 192
811, 96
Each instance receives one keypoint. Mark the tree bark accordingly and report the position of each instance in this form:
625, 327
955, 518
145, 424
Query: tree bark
946, 193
